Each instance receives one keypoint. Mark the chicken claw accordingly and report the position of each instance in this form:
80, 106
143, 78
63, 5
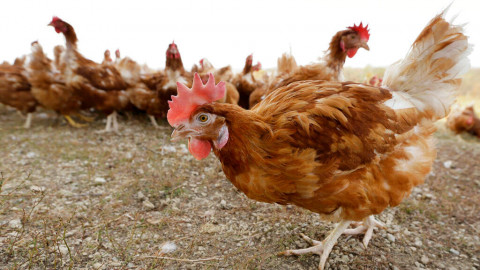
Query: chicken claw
366, 227
322, 248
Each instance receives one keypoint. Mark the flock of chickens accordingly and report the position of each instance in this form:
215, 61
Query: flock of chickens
72, 83
303, 136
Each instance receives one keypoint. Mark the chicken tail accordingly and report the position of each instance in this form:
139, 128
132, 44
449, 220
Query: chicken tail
430, 75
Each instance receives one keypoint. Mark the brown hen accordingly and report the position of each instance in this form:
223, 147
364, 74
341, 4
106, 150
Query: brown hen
343, 150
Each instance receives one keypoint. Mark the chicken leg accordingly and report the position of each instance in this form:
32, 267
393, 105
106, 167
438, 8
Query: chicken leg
85, 118
154, 122
28, 122
366, 227
322, 248
73, 123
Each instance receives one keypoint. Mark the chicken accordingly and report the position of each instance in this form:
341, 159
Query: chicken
245, 82
142, 90
99, 86
286, 65
343, 150
49, 87
375, 81
174, 72
223, 74
343, 44
106, 57
15, 90
464, 121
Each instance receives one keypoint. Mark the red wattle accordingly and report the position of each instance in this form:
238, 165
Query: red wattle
200, 149
351, 52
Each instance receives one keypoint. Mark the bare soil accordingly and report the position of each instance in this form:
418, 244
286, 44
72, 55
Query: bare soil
73, 198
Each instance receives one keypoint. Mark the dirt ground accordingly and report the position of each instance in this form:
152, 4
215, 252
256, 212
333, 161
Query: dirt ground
73, 198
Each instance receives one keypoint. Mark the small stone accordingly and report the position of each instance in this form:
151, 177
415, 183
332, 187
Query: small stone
447, 164
31, 154
97, 265
418, 242
424, 259
390, 237
454, 251
395, 268
147, 204
15, 224
140, 196
63, 250
168, 247
37, 189
100, 180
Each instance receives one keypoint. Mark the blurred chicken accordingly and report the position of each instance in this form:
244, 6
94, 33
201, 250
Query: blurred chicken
375, 81
245, 82
344, 150
15, 90
344, 44
464, 121
142, 88
286, 65
99, 86
49, 87
106, 58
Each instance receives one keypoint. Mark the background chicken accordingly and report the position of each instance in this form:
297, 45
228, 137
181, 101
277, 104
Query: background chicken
346, 151
464, 121
286, 65
15, 90
142, 88
107, 59
99, 86
49, 87
344, 44
245, 82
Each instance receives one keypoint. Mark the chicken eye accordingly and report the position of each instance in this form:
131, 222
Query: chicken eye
203, 118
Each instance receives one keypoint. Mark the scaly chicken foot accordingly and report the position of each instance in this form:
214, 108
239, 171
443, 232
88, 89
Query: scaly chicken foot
322, 248
366, 227
73, 123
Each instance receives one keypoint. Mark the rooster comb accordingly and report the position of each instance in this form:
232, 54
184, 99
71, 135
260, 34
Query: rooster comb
55, 18
187, 100
361, 30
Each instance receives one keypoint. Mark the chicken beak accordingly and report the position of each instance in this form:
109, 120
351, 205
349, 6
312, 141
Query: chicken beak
363, 44
50, 24
180, 132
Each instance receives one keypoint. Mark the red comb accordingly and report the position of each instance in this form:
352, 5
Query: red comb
55, 18
362, 31
187, 100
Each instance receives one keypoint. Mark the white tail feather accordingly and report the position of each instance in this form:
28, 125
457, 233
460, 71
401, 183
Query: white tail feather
429, 76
